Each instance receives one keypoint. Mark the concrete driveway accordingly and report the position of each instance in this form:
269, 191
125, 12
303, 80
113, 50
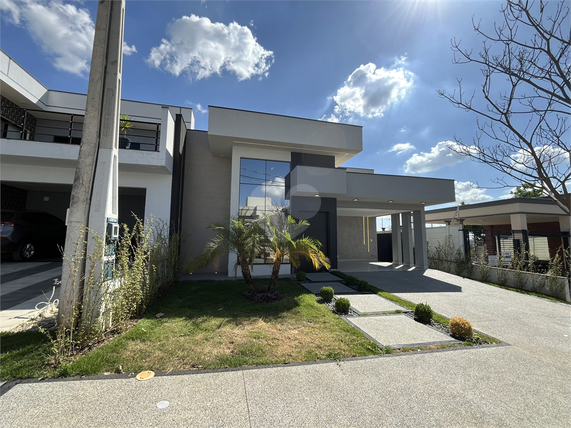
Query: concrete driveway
23, 286
523, 384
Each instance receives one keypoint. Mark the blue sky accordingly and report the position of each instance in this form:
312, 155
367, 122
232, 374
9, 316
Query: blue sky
378, 64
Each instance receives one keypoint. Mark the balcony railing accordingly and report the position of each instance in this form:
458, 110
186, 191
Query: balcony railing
49, 127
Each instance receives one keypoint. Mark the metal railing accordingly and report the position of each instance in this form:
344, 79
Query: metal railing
64, 128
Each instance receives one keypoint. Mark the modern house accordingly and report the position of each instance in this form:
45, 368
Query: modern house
246, 164
40, 134
537, 225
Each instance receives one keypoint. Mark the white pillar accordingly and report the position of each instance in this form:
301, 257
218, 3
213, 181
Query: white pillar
420, 244
407, 242
518, 221
397, 239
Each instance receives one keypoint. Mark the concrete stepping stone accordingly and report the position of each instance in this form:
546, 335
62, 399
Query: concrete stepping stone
339, 288
373, 303
322, 277
399, 331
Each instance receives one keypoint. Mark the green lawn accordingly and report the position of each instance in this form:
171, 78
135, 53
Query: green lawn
206, 324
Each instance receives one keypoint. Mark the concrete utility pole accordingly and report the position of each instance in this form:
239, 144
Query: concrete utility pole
94, 195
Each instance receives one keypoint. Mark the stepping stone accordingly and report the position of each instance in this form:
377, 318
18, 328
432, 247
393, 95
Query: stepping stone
373, 303
339, 288
322, 277
399, 331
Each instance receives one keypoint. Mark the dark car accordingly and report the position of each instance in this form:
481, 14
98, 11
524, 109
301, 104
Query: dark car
27, 233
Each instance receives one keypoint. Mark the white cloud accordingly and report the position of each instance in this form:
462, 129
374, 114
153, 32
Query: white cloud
199, 47
470, 193
274, 189
548, 155
62, 30
402, 148
129, 50
197, 106
439, 156
13, 8
369, 91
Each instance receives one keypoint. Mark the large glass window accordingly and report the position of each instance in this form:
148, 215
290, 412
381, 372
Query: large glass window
262, 191
262, 187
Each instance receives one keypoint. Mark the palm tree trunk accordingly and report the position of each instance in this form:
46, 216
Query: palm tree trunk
275, 274
246, 274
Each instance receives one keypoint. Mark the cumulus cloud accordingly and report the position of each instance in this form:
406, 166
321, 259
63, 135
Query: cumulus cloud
439, 156
62, 30
199, 47
470, 193
402, 148
549, 156
274, 189
369, 91
129, 50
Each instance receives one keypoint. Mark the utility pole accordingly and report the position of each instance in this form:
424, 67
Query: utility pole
94, 195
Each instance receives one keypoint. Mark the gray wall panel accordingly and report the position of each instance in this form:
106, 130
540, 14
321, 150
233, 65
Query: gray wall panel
206, 198
352, 246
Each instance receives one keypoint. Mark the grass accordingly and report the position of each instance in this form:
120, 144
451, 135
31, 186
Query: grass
206, 324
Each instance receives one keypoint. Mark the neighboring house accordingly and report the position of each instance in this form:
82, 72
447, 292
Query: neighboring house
40, 134
537, 225
246, 164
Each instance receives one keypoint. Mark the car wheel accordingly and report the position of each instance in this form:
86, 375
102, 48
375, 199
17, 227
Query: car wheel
26, 251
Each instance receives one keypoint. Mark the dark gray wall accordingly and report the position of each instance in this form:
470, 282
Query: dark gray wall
321, 213
177, 173
206, 198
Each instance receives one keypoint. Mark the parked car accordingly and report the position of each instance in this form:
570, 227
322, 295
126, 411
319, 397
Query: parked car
27, 233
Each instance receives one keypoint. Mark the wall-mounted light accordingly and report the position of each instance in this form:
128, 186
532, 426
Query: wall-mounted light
390, 201
316, 195
355, 199
423, 203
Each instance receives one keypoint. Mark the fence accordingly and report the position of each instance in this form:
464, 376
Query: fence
64, 128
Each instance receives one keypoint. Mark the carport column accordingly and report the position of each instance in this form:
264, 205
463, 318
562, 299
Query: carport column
519, 231
397, 239
420, 244
407, 242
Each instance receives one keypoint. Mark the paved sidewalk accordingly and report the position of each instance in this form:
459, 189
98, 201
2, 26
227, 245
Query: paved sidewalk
525, 384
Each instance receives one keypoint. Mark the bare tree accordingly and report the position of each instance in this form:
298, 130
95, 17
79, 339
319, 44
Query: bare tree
524, 105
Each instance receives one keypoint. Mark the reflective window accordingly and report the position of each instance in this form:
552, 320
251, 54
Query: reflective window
262, 191
262, 187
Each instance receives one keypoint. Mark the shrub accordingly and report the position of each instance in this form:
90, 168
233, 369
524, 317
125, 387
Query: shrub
300, 275
342, 305
423, 313
461, 328
363, 285
326, 293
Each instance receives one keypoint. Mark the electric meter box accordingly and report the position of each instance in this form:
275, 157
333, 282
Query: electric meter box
112, 229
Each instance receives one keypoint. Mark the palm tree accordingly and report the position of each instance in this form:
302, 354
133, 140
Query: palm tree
239, 237
282, 240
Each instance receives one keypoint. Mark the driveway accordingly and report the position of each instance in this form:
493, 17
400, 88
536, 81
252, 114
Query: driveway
23, 286
525, 383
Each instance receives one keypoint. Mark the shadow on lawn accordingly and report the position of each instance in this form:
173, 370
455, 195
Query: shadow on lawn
207, 298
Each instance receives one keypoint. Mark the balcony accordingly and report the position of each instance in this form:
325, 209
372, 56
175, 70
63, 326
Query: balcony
62, 128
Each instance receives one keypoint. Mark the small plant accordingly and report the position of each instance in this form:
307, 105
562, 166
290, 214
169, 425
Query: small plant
363, 285
459, 263
483, 265
342, 305
461, 328
423, 313
300, 275
327, 293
